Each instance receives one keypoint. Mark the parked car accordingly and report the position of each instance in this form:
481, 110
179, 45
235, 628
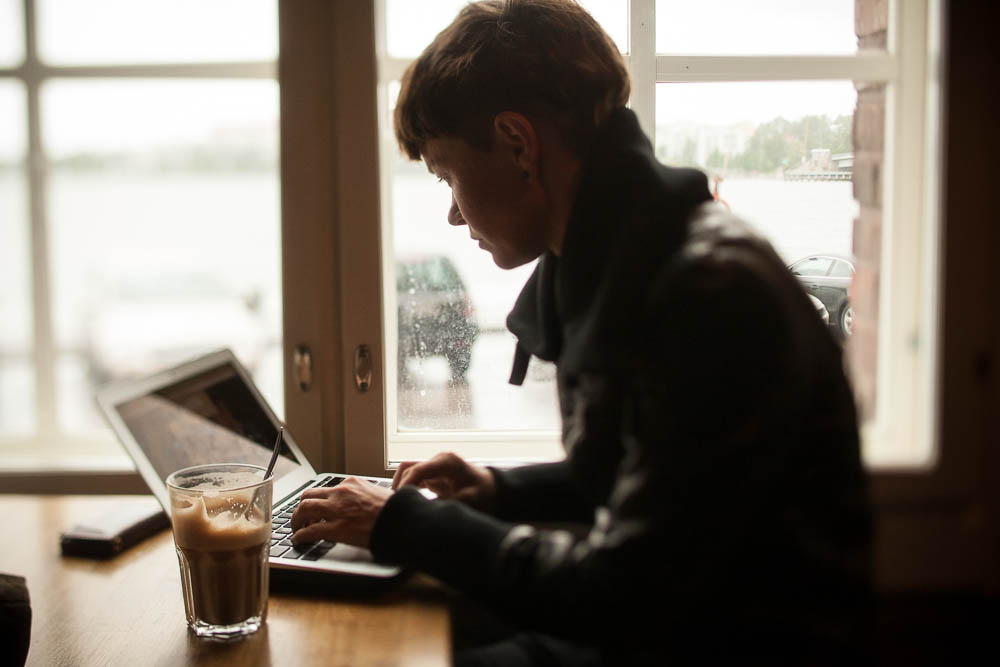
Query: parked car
828, 277
435, 314
821, 310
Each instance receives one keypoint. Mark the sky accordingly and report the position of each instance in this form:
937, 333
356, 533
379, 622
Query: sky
682, 27
758, 27
105, 31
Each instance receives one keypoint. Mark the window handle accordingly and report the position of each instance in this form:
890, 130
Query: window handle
363, 368
302, 364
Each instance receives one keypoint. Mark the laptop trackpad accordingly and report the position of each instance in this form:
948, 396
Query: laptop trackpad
347, 553
346, 559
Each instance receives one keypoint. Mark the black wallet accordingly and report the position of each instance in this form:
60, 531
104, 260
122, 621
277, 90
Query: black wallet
116, 530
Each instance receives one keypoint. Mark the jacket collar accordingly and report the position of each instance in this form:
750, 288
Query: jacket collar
612, 239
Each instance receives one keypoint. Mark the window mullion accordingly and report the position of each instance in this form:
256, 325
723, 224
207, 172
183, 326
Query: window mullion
905, 359
389, 69
642, 62
44, 340
266, 69
865, 66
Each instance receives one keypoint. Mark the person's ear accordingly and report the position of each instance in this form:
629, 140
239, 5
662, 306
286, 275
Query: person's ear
516, 136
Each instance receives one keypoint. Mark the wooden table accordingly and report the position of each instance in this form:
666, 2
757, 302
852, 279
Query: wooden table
129, 610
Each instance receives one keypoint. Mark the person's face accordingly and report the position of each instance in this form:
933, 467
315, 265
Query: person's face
494, 195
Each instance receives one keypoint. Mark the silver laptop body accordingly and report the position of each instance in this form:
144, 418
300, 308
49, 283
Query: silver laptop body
208, 410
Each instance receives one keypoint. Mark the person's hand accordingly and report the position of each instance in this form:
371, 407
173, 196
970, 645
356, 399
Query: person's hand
450, 476
345, 513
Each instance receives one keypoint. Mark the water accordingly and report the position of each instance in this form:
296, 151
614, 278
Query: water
110, 234
798, 218
133, 257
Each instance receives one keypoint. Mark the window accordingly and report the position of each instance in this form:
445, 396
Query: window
11, 39
841, 269
139, 206
448, 385
772, 114
16, 379
814, 266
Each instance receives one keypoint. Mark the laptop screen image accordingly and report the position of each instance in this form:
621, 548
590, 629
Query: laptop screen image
211, 417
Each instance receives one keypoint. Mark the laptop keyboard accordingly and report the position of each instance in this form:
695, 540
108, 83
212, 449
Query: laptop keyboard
281, 529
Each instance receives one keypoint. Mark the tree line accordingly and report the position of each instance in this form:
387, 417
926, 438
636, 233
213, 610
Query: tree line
785, 144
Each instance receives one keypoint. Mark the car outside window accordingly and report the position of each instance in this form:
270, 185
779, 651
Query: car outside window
814, 266
841, 269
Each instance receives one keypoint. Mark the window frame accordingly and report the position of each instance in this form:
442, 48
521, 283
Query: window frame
909, 250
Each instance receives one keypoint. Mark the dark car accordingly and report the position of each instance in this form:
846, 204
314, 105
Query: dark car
435, 314
828, 277
821, 310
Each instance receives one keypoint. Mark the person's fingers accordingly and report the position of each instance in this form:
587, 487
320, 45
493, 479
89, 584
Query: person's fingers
446, 465
413, 475
319, 492
314, 532
443, 487
400, 472
467, 495
311, 510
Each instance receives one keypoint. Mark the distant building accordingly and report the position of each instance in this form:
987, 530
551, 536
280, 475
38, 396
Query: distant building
822, 166
843, 161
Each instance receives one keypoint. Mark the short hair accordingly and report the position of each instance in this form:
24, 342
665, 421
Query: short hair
543, 58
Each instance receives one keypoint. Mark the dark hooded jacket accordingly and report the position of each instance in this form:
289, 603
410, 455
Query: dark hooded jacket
710, 434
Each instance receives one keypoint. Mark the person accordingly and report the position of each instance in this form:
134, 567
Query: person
711, 440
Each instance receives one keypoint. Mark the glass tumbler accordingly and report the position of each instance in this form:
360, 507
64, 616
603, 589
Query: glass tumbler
221, 515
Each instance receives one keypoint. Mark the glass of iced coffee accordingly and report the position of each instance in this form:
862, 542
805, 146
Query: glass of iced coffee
221, 515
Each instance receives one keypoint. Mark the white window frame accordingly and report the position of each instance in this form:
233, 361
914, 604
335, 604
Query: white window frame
907, 292
907, 338
49, 448
481, 446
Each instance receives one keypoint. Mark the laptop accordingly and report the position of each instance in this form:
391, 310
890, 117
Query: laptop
208, 410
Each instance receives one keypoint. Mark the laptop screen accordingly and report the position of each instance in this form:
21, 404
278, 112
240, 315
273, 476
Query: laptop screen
212, 417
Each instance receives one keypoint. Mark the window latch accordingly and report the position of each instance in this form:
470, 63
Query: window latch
363, 368
302, 364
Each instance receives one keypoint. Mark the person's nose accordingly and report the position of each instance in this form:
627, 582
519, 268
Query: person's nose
454, 215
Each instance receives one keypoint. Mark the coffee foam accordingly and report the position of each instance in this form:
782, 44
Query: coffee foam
214, 483
217, 521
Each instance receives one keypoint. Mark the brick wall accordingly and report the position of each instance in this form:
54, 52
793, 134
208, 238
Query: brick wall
871, 18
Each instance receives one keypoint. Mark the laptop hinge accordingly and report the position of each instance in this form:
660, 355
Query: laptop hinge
293, 493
